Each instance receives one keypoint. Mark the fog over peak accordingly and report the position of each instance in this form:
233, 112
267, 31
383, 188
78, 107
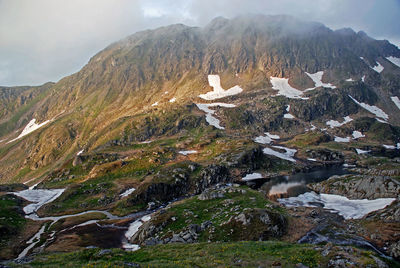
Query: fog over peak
44, 40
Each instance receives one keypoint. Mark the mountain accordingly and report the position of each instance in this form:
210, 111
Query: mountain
289, 95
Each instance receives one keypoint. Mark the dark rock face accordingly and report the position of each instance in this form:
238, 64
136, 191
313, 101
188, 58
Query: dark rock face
325, 155
211, 175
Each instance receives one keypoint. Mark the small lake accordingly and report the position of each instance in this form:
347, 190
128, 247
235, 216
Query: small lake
295, 184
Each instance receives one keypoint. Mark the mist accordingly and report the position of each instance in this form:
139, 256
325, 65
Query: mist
45, 40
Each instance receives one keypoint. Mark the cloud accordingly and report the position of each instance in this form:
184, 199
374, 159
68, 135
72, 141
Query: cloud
44, 40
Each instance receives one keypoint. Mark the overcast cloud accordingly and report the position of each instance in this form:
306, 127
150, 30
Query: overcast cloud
44, 40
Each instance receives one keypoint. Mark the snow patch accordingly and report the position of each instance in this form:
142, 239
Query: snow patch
266, 139
80, 152
127, 192
155, 104
372, 109
30, 127
340, 139
394, 60
350, 80
252, 176
38, 198
312, 159
172, 100
317, 78
377, 68
357, 134
363, 78
349, 209
392, 147
359, 151
334, 123
218, 92
284, 89
287, 155
396, 101
288, 116
132, 230
213, 121
188, 152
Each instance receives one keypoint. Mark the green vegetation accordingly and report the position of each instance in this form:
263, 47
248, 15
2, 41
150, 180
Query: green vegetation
248, 254
220, 211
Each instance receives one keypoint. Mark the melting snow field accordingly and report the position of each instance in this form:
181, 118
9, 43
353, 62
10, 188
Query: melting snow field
394, 60
349, 209
132, 230
359, 151
127, 192
266, 139
357, 135
284, 89
340, 139
30, 127
252, 176
188, 152
39, 198
372, 109
287, 155
213, 121
334, 123
218, 92
396, 101
317, 78
377, 68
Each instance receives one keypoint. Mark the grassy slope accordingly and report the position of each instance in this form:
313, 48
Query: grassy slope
245, 254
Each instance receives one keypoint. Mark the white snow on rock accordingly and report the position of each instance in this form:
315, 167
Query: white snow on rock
363, 78
340, 139
132, 230
284, 89
377, 68
312, 159
394, 60
155, 104
252, 176
317, 78
357, 134
288, 116
80, 152
38, 198
350, 80
359, 151
172, 100
188, 152
266, 139
392, 147
213, 121
287, 155
396, 101
127, 192
349, 209
218, 92
372, 109
334, 123
30, 127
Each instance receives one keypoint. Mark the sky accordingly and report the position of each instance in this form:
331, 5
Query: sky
45, 40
